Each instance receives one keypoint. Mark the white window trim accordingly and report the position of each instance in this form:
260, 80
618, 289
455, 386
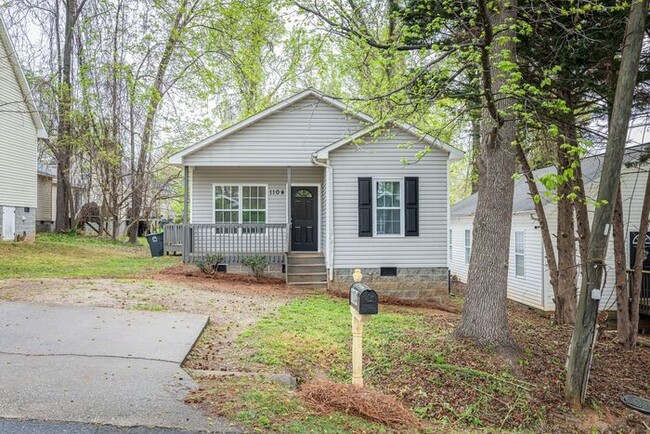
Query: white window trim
451, 244
240, 210
467, 258
374, 207
522, 254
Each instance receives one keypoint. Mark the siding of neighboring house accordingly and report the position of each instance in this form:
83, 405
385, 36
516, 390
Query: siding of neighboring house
381, 158
44, 200
528, 288
457, 264
18, 142
204, 178
535, 288
285, 138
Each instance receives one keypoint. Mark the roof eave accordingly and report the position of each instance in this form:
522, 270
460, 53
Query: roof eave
177, 158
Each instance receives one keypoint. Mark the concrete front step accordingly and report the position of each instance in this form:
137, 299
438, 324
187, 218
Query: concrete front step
307, 277
306, 259
306, 268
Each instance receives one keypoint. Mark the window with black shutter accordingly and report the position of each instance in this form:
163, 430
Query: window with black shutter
411, 207
365, 207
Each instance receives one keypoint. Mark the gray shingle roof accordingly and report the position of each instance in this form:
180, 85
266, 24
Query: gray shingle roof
522, 201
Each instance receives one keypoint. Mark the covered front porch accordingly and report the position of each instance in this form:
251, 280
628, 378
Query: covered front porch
236, 212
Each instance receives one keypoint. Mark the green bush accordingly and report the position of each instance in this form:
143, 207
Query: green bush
257, 264
209, 263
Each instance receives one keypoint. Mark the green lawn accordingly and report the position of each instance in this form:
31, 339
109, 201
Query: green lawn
61, 255
407, 353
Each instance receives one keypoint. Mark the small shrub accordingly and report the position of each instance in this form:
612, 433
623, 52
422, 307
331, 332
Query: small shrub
209, 263
257, 264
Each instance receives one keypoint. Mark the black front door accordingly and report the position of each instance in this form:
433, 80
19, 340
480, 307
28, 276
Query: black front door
304, 219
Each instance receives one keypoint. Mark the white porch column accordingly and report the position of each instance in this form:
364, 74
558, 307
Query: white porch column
288, 196
186, 229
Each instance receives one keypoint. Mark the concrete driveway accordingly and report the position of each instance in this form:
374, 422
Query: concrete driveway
98, 365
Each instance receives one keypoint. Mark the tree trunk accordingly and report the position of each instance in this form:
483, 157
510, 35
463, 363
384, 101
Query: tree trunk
484, 319
582, 217
139, 178
622, 291
583, 338
63, 147
565, 302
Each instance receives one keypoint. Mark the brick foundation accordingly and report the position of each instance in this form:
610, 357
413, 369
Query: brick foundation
410, 283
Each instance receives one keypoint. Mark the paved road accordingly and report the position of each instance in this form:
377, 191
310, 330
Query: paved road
41, 427
98, 366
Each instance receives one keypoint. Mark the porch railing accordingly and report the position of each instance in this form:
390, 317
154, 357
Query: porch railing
233, 241
173, 239
644, 306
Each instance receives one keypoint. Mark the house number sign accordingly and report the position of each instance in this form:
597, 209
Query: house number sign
276, 192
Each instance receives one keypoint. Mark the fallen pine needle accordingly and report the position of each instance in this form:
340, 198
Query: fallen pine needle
327, 396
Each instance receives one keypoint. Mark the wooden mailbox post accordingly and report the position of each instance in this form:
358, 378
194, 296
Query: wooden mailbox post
363, 302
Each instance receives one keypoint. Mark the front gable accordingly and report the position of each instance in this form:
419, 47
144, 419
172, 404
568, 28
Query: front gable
287, 137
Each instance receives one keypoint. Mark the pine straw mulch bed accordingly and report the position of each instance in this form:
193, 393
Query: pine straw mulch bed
327, 396
229, 282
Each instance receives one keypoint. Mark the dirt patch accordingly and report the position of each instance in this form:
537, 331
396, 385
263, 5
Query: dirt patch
232, 306
190, 271
189, 275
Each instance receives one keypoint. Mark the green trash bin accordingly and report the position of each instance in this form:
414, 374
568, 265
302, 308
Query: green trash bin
156, 245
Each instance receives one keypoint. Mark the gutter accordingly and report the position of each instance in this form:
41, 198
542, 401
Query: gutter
329, 217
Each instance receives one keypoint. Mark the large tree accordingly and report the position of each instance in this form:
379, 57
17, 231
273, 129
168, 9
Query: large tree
446, 39
582, 340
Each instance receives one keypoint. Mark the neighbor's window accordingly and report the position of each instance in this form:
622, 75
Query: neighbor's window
451, 256
388, 207
468, 245
520, 244
235, 204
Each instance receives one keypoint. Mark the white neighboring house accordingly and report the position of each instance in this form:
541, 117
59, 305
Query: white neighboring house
20, 129
528, 278
320, 191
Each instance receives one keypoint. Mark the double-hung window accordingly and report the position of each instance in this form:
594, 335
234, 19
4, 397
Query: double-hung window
520, 245
388, 207
226, 207
468, 245
239, 204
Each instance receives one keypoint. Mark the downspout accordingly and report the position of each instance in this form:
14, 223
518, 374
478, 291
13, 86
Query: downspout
329, 217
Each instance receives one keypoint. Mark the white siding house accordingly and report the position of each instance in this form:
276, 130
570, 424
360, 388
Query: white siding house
531, 286
20, 129
320, 190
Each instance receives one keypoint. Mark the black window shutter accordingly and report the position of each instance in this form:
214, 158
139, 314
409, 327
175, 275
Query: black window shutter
411, 207
365, 207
